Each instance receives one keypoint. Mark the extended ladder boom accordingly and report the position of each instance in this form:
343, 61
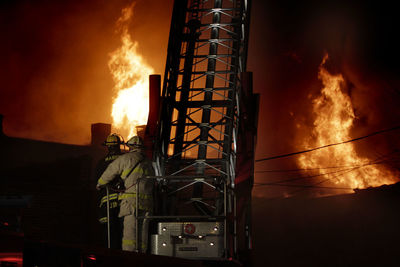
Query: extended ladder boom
196, 145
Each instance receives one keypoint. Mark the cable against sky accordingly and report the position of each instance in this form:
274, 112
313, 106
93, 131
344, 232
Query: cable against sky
325, 146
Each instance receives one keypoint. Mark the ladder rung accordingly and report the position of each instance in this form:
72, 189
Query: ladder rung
202, 104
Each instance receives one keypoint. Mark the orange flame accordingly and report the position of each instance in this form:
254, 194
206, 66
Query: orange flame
334, 118
131, 77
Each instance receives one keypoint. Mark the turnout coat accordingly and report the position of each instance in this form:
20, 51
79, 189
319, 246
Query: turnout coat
130, 167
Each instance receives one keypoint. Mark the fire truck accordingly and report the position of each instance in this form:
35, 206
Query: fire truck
202, 134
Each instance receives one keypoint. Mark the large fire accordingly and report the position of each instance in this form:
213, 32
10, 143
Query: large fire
333, 121
131, 77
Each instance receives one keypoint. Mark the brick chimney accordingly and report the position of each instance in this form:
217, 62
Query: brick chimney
100, 131
140, 129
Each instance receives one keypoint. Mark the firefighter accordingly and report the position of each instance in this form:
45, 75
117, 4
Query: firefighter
113, 143
132, 166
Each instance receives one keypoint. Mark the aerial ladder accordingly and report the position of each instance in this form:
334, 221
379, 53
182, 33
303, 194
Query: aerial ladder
202, 132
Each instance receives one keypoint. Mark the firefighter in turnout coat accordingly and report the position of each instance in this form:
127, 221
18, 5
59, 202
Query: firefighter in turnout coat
113, 143
130, 167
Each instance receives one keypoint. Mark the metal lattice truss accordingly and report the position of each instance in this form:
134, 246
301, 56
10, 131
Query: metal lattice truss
201, 92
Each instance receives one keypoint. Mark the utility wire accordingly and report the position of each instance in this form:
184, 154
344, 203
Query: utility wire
387, 158
299, 170
307, 186
325, 146
323, 181
387, 161
379, 160
306, 169
316, 175
347, 168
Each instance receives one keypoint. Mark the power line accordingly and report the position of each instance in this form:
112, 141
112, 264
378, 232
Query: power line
349, 170
378, 160
323, 181
306, 186
325, 146
306, 169
317, 175
387, 161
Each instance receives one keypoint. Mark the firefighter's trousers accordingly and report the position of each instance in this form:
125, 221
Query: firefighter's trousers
129, 232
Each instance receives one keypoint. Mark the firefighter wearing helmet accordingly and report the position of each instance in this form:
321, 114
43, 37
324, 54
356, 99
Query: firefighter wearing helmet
113, 143
130, 167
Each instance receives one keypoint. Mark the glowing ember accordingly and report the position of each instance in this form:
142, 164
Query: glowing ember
131, 75
332, 124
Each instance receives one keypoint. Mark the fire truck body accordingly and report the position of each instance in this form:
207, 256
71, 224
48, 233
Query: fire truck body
189, 240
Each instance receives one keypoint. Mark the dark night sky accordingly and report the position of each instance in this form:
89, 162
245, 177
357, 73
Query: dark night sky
55, 80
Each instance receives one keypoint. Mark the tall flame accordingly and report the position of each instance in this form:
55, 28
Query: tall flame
131, 77
333, 121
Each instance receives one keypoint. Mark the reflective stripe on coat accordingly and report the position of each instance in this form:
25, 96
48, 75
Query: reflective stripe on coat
122, 166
